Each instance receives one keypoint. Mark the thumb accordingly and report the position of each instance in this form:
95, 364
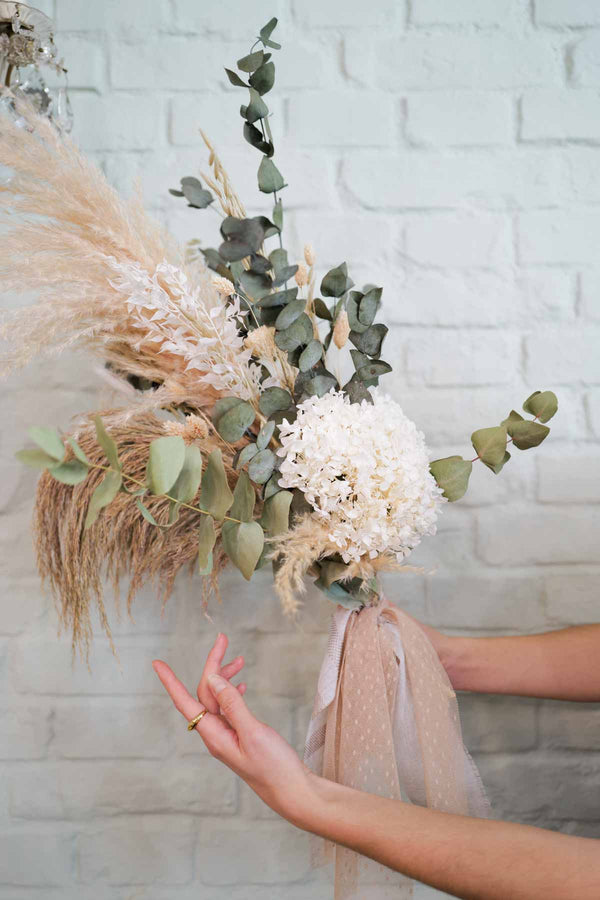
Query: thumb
231, 704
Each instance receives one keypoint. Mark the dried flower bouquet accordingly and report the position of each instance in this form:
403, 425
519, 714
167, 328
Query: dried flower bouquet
243, 443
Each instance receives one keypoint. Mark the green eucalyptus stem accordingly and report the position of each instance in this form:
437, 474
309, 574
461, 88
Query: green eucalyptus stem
165, 496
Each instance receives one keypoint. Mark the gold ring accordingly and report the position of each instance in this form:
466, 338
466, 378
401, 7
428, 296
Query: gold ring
193, 722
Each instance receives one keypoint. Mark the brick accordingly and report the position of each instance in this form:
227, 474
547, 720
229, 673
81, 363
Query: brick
363, 237
229, 856
234, 20
321, 120
299, 66
35, 859
128, 730
592, 403
566, 12
458, 240
25, 732
87, 790
42, 665
84, 60
497, 724
557, 357
550, 114
294, 670
485, 602
559, 786
142, 851
453, 298
590, 294
415, 179
168, 63
544, 237
518, 537
570, 726
569, 479
213, 113
348, 13
112, 15
24, 604
468, 12
442, 358
460, 60
459, 118
586, 63
450, 550
123, 121
572, 598
546, 294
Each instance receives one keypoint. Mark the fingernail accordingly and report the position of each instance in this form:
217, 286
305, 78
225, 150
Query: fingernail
217, 684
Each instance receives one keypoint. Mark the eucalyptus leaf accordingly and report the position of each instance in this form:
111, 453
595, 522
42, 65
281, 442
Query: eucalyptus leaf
235, 79
357, 391
207, 537
272, 487
255, 285
188, 482
276, 513
260, 467
267, 30
195, 194
36, 458
243, 544
79, 454
146, 512
370, 341
321, 309
528, 434
513, 416
234, 249
321, 385
270, 178
223, 405
373, 370
255, 137
165, 462
108, 445
273, 399
49, 440
215, 496
352, 306
368, 306
244, 499
499, 466
283, 275
246, 455
280, 298
256, 109
232, 425
251, 62
452, 474
310, 356
263, 79
259, 265
104, 494
295, 335
264, 435
332, 571
71, 472
278, 215
490, 444
289, 314
542, 404
336, 282
339, 595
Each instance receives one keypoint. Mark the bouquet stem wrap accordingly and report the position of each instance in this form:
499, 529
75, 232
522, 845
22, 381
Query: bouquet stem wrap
385, 721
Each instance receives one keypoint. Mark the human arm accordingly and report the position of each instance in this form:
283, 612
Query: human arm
562, 665
470, 858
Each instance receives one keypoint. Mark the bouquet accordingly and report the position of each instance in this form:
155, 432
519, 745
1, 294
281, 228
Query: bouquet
253, 431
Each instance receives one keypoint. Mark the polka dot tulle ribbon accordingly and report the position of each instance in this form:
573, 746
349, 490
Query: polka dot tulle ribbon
385, 721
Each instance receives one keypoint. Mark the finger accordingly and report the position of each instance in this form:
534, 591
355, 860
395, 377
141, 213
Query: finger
212, 729
242, 688
233, 668
232, 705
212, 666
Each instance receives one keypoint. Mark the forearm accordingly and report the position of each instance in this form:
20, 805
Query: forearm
470, 858
564, 665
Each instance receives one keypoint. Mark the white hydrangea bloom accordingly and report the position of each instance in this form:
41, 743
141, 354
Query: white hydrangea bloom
365, 471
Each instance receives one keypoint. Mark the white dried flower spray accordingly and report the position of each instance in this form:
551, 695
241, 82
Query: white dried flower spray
172, 312
365, 471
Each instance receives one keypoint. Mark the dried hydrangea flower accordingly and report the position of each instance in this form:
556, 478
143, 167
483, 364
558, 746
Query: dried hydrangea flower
364, 470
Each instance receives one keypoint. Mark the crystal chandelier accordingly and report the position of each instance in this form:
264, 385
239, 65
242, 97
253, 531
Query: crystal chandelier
26, 48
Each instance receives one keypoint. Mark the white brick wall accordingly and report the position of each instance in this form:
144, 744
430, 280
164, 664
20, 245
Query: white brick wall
450, 150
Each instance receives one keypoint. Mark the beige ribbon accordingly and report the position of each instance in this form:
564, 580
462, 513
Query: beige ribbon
386, 721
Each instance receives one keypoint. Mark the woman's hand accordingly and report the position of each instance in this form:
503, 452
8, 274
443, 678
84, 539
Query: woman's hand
255, 752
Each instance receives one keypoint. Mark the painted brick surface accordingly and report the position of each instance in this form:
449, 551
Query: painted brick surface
450, 150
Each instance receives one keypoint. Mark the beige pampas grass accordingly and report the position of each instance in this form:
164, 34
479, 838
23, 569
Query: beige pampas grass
74, 561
